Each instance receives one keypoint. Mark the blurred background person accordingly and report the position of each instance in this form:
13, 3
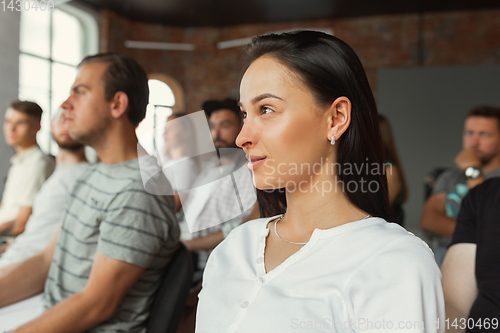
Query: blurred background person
398, 188
48, 205
478, 160
30, 166
219, 193
180, 163
471, 268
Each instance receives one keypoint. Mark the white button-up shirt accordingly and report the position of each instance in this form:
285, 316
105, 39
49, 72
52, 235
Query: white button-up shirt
26, 176
362, 276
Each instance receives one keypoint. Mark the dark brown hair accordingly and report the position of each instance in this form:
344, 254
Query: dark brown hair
391, 153
30, 108
485, 111
126, 75
331, 69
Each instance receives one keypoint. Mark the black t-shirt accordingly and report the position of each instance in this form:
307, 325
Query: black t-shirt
479, 222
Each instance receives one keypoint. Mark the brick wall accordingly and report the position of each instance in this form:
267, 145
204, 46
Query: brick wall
447, 38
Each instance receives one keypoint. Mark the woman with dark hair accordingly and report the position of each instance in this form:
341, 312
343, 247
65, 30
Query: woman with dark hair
323, 256
396, 181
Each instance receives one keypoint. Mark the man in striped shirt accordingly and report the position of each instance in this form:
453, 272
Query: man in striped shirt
100, 272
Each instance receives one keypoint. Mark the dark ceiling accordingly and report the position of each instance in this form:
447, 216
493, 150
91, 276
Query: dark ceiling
230, 12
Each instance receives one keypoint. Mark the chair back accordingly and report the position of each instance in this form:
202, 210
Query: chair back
172, 294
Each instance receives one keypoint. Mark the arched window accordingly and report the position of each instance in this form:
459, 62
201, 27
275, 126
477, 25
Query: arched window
165, 97
52, 43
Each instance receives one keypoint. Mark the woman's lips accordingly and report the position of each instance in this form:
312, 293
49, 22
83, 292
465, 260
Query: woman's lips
255, 161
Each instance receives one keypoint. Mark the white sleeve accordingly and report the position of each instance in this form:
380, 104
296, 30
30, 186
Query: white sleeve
398, 288
36, 175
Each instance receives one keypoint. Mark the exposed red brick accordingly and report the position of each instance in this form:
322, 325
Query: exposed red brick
447, 38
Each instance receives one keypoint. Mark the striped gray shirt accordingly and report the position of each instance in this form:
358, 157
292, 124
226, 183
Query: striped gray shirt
109, 211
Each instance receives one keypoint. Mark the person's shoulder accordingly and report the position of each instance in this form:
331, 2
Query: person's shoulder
493, 174
448, 180
489, 189
397, 248
38, 157
491, 183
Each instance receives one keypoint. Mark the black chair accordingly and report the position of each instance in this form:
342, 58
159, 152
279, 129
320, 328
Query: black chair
172, 294
430, 181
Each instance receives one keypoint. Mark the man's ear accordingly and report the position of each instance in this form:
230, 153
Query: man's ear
339, 117
119, 104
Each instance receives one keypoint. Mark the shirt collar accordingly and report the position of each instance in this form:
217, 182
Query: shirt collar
20, 157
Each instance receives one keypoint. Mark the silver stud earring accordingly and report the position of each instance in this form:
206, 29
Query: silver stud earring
333, 140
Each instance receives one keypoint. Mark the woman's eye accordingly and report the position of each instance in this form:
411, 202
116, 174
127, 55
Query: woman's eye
266, 110
243, 114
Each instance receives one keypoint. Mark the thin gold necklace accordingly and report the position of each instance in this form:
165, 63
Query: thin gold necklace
276, 231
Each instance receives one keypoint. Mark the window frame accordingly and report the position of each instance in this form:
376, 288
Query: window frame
89, 45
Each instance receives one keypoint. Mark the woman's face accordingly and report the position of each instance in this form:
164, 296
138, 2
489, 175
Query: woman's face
173, 134
285, 130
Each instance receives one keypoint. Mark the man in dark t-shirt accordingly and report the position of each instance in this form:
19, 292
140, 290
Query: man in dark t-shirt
471, 269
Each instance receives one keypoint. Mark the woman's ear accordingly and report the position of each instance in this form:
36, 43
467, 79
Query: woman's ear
119, 104
339, 118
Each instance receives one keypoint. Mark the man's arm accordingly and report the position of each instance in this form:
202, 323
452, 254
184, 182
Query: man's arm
209, 242
108, 283
27, 278
21, 220
434, 219
459, 281
17, 226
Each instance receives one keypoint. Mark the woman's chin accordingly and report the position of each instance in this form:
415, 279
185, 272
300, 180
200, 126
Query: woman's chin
265, 186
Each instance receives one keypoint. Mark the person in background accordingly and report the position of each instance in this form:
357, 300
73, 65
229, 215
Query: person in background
48, 206
223, 196
217, 207
471, 268
101, 269
30, 166
479, 160
398, 187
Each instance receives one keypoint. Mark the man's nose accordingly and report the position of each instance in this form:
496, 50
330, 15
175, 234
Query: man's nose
66, 105
214, 132
475, 140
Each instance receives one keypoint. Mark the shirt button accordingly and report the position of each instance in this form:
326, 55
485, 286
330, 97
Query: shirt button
259, 260
245, 304
261, 280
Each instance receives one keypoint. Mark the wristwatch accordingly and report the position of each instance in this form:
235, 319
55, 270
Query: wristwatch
472, 172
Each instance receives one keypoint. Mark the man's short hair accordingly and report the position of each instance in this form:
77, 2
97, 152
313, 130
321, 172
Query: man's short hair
227, 104
126, 75
486, 111
30, 108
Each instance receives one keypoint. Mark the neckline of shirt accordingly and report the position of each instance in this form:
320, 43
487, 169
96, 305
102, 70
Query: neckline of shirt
316, 235
20, 157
